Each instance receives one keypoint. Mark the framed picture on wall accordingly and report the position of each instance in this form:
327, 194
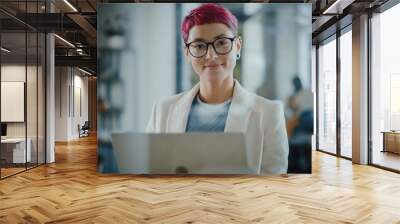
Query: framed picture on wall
12, 101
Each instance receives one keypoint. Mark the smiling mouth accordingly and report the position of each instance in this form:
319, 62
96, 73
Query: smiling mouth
213, 66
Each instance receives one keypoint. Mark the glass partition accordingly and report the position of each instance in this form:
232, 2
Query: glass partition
13, 108
22, 88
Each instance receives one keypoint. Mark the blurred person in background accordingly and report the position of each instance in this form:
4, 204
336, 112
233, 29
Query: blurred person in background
218, 103
300, 127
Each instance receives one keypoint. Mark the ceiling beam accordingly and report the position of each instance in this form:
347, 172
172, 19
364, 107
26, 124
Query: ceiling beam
81, 61
337, 7
84, 24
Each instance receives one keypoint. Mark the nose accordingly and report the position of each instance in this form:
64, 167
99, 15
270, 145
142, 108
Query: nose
211, 52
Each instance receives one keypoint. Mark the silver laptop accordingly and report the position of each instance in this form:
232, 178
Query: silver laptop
184, 153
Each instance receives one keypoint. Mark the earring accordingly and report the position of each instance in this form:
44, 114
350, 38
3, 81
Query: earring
237, 56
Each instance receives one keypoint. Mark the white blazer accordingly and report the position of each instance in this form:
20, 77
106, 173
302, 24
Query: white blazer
260, 119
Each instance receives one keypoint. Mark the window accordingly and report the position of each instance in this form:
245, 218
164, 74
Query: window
346, 93
385, 87
327, 96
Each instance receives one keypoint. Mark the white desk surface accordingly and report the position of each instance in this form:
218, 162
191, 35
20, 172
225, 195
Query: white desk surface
13, 140
19, 151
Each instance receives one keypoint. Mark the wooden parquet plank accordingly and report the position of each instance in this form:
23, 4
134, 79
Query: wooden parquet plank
71, 191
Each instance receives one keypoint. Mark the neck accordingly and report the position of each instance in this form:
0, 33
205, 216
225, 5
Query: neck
216, 91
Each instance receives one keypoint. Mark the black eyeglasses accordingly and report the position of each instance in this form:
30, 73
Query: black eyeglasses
221, 45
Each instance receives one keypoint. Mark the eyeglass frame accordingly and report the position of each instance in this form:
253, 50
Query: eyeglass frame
212, 44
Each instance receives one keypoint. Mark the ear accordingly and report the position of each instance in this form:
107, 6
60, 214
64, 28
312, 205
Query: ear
238, 44
186, 53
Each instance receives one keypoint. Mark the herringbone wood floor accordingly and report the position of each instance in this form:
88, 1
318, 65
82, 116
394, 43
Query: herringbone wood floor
70, 191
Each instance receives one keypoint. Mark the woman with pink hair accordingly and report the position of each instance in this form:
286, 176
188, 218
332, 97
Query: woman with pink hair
218, 103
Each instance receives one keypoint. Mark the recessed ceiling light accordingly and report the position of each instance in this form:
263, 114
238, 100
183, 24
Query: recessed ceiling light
338, 6
5, 50
84, 71
70, 5
64, 40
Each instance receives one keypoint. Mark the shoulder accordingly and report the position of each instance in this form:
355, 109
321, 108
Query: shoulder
262, 104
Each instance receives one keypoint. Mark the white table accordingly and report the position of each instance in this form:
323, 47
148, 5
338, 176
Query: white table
19, 149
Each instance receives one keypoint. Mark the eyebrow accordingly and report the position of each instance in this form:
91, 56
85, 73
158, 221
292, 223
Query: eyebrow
201, 39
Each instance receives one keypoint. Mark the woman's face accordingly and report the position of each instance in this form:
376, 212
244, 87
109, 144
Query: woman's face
212, 66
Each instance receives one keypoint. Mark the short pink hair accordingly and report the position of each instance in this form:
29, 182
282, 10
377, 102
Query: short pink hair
205, 14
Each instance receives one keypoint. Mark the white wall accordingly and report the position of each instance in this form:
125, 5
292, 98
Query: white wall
80, 83
33, 126
61, 103
68, 82
16, 73
12, 73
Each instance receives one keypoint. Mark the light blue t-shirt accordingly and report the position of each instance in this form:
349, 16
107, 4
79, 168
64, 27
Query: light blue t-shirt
204, 117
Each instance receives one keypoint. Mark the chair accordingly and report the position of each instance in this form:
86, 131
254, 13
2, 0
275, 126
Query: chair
84, 130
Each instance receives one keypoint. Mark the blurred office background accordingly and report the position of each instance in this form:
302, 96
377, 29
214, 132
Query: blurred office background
141, 61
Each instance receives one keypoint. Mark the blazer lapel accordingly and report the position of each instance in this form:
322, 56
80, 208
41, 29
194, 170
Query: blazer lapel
243, 118
240, 111
179, 112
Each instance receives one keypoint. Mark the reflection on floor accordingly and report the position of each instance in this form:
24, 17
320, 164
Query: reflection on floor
387, 159
12, 169
346, 152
